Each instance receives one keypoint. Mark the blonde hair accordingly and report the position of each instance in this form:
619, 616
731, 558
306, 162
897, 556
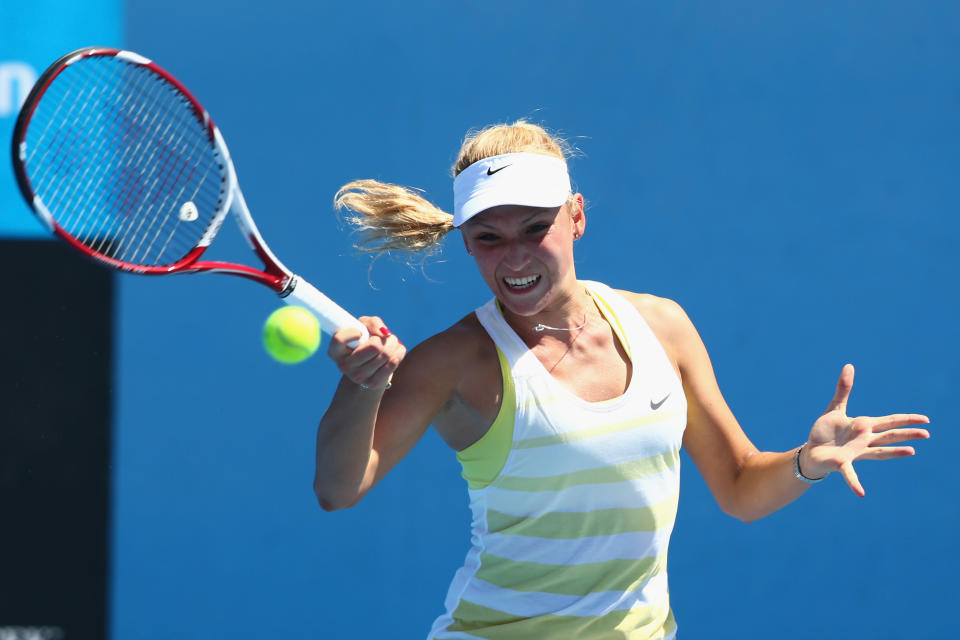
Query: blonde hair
390, 217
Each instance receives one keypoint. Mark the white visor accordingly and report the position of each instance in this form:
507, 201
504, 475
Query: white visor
526, 179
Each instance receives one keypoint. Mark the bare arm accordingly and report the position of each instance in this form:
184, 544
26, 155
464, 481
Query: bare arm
750, 484
367, 429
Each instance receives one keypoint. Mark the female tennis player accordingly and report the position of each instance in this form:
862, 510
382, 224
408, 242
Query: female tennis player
566, 401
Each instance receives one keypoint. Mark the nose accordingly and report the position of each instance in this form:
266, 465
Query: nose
516, 256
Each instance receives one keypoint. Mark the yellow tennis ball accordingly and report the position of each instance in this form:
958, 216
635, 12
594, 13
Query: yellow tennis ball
291, 334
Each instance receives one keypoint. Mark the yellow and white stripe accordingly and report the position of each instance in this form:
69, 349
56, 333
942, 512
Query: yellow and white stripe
570, 531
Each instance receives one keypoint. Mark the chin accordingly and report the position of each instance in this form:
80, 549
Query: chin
526, 302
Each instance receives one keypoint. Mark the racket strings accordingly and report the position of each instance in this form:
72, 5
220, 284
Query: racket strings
123, 162
69, 207
139, 229
168, 160
73, 96
97, 222
118, 192
53, 158
136, 234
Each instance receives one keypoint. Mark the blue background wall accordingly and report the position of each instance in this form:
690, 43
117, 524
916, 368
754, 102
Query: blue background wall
786, 172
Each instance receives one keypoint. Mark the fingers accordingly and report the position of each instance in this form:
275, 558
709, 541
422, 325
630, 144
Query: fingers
846, 469
883, 423
372, 362
844, 386
878, 449
340, 342
875, 450
898, 435
886, 453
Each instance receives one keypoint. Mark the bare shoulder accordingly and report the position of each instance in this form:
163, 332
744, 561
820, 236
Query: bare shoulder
443, 359
457, 373
665, 316
668, 321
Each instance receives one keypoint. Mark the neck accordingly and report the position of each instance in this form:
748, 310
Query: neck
562, 320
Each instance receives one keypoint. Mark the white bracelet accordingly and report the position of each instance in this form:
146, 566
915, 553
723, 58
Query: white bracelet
796, 468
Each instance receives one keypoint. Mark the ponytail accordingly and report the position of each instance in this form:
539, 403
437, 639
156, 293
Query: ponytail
389, 217
392, 218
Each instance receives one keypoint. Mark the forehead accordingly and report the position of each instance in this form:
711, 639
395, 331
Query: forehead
510, 215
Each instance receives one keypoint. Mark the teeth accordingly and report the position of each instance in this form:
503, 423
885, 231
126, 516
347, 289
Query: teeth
521, 282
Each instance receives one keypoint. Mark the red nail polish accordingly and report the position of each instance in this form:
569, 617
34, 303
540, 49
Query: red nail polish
384, 332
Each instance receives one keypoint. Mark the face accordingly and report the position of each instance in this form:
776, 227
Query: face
525, 254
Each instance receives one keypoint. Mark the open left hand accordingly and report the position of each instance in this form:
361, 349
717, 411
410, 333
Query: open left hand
837, 441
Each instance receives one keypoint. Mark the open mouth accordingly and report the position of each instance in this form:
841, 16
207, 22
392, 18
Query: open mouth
521, 284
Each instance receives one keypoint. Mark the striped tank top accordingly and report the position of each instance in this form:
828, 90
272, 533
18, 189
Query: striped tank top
573, 502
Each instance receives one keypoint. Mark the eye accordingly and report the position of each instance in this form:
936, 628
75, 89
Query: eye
486, 237
538, 227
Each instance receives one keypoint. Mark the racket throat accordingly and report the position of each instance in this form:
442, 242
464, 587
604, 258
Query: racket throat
289, 286
276, 280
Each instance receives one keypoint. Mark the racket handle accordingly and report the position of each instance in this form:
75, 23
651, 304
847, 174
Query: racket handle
331, 315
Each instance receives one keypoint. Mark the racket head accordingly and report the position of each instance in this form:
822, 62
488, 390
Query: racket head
117, 158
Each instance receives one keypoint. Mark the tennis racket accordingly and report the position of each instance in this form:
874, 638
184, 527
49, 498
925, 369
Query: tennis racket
119, 160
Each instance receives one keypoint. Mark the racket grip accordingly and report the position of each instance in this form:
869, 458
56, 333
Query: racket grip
332, 316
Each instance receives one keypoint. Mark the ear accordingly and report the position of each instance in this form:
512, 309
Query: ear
577, 216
